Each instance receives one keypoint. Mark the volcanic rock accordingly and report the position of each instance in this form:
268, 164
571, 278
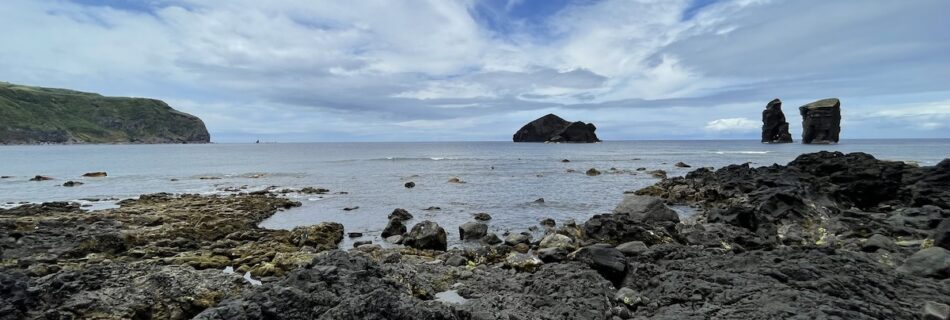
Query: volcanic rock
821, 121
426, 235
774, 126
551, 128
472, 230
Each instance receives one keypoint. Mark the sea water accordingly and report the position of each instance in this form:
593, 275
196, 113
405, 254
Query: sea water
503, 179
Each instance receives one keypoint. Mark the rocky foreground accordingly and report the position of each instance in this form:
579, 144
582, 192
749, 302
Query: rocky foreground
829, 236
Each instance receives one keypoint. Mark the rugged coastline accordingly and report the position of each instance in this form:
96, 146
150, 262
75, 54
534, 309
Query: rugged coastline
828, 235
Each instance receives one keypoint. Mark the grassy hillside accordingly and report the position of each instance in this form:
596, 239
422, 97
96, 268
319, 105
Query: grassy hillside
30, 115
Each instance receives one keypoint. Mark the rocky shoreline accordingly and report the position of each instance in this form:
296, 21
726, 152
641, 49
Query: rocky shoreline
829, 235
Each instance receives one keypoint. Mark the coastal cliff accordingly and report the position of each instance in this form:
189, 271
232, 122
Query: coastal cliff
34, 115
551, 128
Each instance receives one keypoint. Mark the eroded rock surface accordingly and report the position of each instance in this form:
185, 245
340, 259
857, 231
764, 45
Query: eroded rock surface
774, 126
821, 121
551, 128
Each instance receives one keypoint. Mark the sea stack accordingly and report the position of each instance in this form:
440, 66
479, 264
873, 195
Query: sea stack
774, 126
821, 121
551, 128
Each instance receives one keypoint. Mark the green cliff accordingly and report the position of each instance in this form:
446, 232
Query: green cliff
33, 115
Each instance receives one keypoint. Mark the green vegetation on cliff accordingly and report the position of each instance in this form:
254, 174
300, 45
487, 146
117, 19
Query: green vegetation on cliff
31, 115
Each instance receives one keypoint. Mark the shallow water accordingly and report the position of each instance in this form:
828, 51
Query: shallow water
501, 178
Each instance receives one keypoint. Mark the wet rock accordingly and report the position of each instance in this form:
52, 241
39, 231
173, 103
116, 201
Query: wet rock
481, 216
426, 235
41, 178
935, 311
555, 240
539, 200
394, 227
516, 238
456, 261
397, 239
354, 234
628, 297
523, 262
400, 214
323, 236
97, 174
455, 180
551, 128
351, 208
682, 165
592, 172
491, 239
72, 184
646, 209
357, 244
409, 185
620, 228
521, 247
821, 121
932, 262
472, 230
641, 169
660, 174
565, 161
608, 261
433, 208
548, 222
632, 248
312, 190
774, 126
6, 177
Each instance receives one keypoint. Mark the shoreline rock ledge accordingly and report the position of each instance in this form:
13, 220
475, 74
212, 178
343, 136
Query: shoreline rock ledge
821, 121
774, 126
551, 128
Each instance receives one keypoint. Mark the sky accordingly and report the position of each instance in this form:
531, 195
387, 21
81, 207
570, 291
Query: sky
444, 70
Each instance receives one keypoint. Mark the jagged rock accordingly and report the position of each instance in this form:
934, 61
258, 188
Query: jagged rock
400, 214
821, 121
426, 235
472, 230
394, 227
551, 128
646, 209
774, 126
933, 262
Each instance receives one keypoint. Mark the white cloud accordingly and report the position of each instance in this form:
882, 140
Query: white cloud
733, 125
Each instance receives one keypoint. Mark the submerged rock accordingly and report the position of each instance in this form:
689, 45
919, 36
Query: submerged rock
72, 183
41, 178
774, 126
821, 121
97, 174
551, 128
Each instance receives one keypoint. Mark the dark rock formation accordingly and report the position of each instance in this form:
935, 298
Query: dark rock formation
426, 235
472, 230
821, 121
551, 128
774, 126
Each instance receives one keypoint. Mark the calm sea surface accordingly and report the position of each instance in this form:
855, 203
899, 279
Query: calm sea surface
502, 178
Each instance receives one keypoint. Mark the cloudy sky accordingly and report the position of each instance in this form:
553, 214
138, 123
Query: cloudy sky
386, 70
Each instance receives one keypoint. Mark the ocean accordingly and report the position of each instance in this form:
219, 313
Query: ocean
503, 179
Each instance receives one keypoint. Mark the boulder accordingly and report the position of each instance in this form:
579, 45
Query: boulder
821, 121
774, 126
472, 230
523, 262
516, 238
481, 216
323, 236
357, 244
426, 235
98, 174
551, 128
400, 214
632, 248
878, 241
549, 255
646, 209
555, 240
395, 227
606, 260
409, 185
491, 239
933, 262
935, 311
